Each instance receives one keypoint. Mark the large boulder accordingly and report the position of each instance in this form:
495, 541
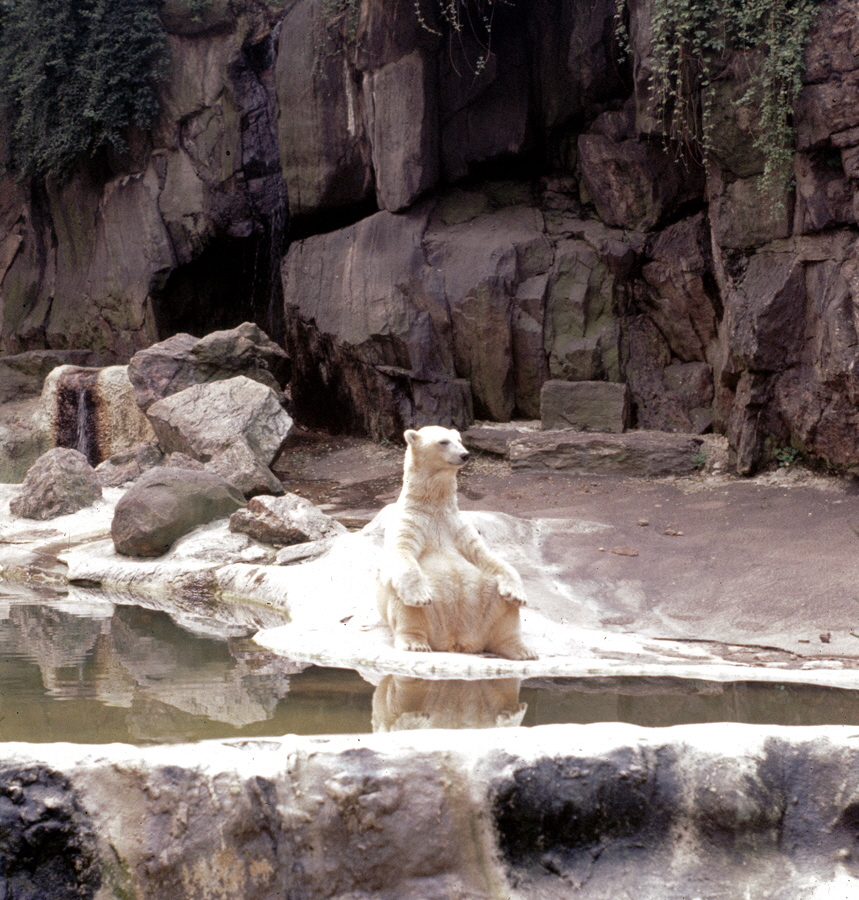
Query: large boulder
61, 481
167, 503
94, 411
237, 427
171, 366
206, 419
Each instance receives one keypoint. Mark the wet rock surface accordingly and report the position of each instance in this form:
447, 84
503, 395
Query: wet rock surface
48, 845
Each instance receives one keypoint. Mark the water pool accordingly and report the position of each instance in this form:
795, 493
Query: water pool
104, 672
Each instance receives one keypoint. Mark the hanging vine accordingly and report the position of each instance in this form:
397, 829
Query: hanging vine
461, 18
692, 40
74, 74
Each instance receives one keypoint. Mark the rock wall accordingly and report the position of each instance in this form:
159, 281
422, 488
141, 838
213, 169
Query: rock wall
596, 811
470, 214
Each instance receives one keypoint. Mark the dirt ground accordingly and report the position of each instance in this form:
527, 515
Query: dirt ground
767, 568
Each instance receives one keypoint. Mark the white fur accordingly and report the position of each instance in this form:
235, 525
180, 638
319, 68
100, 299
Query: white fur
439, 587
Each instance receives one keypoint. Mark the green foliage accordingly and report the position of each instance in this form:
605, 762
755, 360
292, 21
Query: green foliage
692, 40
74, 74
787, 456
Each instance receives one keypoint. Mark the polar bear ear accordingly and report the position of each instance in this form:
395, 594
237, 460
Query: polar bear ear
411, 437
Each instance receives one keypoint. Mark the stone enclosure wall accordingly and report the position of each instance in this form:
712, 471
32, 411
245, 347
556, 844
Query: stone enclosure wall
434, 231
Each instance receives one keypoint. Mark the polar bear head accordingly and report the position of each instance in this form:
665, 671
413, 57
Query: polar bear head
434, 448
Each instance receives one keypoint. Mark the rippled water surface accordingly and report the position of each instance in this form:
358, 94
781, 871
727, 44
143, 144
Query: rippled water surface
96, 673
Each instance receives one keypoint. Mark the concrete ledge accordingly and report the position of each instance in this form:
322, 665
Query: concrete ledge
645, 453
594, 812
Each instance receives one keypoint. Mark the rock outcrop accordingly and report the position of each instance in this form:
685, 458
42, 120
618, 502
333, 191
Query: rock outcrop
468, 219
181, 361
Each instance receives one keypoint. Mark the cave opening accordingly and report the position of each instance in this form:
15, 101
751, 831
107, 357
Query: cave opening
233, 280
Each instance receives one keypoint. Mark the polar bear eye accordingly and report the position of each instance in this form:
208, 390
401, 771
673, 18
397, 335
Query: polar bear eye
443, 443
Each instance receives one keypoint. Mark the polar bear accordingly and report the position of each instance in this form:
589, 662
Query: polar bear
438, 585
402, 703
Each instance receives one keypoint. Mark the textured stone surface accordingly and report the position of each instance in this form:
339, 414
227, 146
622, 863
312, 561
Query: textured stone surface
22, 375
634, 184
207, 419
61, 481
94, 411
587, 811
282, 521
633, 453
361, 107
128, 465
585, 406
166, 503
171, 366
23, 438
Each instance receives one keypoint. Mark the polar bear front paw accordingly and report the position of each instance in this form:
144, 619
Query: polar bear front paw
511, 590
413, 589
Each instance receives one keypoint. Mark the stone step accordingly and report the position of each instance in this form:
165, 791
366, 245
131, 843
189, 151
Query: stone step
647, 453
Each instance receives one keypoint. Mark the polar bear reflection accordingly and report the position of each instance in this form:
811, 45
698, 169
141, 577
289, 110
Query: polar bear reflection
438, 585
402, 703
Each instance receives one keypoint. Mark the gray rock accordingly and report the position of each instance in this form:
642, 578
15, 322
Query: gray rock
61, 481
681, 301
181, 361
167, 503
635, 184
128, 466
632, 453
23, 438
494, 439
369, 341
655, 406
770, 812
282, 521
585, 406
179, 460
324, 149
207, 419
744, 214
403, 129
241, 467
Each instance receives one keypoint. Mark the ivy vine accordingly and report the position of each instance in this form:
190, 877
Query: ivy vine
692, 42
459, 18
74, 74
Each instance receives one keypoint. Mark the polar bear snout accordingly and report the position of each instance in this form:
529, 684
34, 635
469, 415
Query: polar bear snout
464, 456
